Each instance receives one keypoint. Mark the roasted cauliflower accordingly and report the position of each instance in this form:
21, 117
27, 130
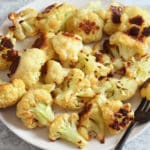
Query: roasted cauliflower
138, 68
11, 93
28, 67
74, 91
87, 24
91, 121
64, 127
67, 46
34, 109
54, 17
117, 116
118, 89
24, 23
44, 42
55, 73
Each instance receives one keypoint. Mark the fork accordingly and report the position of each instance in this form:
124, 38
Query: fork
142, 115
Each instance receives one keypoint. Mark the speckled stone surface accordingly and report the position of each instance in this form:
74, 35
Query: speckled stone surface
9, 141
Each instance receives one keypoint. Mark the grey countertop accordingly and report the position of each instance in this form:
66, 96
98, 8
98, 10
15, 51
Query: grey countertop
9, 141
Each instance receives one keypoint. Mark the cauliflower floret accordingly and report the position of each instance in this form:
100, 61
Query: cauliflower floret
87, 24
113, 18
11, 93
127, 45
67, 46
34, 109
117, 116
138, 69
24, 23
55, 73
91, 66
28, 67
74, 91
7, 54
145, 90
91, 121
54, 17
44, 42
64, 127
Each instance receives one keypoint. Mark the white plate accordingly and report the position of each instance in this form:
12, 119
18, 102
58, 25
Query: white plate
39, 137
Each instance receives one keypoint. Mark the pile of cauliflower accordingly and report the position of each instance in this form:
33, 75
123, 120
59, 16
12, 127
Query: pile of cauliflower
61, 70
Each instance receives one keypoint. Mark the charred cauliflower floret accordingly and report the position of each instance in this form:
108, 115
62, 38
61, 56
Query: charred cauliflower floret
55, 73
74, 91
34, 109
54, 17
118, 89
11, 93
128, 46
87, 24
7, 54
117, 116
91, 122
145, 90
138, 68
24, 23
28, 67
64, 127
92, 65
67, 46
113, 18
44, 42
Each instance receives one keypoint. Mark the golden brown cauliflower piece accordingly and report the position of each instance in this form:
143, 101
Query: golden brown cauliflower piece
24, 23
55, 73
64, 127
44, 42
127, 45
74, 91
91, 121
11, 93
138, 68
87, 24
117, 116
113, 18
67, 46
145, 90
34, 109
54, 17
28, 67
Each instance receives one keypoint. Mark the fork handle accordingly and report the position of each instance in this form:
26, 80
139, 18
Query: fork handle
125, 136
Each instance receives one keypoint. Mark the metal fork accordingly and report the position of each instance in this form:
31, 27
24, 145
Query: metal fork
142, 115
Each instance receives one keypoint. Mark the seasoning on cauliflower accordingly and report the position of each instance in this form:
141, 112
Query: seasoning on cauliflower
64, 127
34, 109
127, 45
118, 89
55, 73
113, 18
54, 17
44, 42
92, 65
28, 67
87, 24
117, 116
74, 91
91, 122
24, 23
67, 46
145, 90
138, 68
11, 93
